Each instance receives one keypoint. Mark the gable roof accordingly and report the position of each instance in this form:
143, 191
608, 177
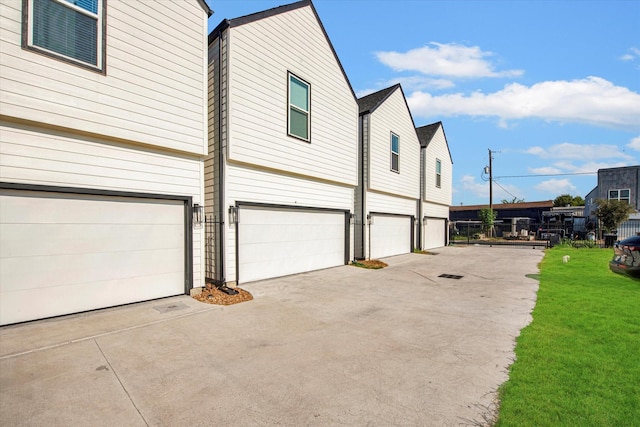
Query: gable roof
368, 103
206, 7
230, 23
426, 133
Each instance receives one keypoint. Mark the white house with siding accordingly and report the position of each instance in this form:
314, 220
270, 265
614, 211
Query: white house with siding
102, 138
389, 179
282, 168
436, 172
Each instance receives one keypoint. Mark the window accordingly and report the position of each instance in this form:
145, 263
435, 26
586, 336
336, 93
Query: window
395, 152
71, 30
299, 108
622, 195
438, 173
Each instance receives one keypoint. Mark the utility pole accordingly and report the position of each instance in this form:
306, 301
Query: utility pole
490, 193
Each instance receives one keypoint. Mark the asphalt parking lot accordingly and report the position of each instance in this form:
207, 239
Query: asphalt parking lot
400, 346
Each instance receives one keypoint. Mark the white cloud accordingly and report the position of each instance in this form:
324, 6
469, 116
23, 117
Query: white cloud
440, 59
635, 144
545, 170
501, 191
634, 53
567, 150
556, 186
592, 100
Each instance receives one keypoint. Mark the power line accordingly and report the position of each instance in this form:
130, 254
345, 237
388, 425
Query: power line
548, 174
505, 190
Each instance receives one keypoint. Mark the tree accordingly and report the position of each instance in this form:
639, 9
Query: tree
487, 216
612, 213
568, 200
514, 200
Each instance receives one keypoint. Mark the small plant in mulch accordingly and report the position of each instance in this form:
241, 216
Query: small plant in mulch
369, 263
212, 294
423, 252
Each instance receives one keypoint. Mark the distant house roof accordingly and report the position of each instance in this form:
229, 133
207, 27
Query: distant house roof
230, 23
499, 206
369, 103
426, 133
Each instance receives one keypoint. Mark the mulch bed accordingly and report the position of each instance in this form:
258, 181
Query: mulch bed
369, 263
213, 295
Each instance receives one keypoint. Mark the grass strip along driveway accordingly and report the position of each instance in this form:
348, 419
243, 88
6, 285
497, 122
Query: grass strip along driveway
578, 362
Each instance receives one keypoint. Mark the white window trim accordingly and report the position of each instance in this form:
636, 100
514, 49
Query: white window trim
290, 105
619, 190
100, 34
393, 152
438, 174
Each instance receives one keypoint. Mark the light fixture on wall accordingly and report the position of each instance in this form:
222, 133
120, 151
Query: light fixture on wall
369, 219
233, 214
352, 218
198, 214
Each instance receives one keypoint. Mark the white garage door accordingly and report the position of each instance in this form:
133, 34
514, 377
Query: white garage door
434, 233
278, 242
390, 235
67, 253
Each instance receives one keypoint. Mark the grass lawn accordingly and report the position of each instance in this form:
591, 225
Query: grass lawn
578, 362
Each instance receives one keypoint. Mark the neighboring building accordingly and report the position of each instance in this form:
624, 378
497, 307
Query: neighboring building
615, 183
283, 126
389, 181
103, 138
621, 183
532, 210
436, 186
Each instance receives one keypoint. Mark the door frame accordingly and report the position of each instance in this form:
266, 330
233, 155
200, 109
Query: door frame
272, 206
188, 215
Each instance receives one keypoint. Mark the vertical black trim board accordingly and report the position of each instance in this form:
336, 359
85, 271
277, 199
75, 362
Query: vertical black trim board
188, 245
347, 236
412, 228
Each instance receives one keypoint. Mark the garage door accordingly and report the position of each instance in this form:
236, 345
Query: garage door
67, 253
276, 242
435, 233
390, 235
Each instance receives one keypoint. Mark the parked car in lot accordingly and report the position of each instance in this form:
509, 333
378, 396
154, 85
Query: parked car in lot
626, 257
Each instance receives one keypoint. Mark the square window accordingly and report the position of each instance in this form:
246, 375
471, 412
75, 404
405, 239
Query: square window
299, 108
71, 30
622, 195
395, 152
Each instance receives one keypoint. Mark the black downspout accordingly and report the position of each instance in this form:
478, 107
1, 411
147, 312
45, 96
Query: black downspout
221, 271
361, 172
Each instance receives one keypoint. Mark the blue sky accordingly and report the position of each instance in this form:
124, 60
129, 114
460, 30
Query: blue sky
552, 87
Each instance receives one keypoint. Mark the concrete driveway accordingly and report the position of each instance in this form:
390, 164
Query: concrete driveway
344, 346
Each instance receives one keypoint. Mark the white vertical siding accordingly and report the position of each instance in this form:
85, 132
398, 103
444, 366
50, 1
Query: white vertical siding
154, 90
261, 54
393, 116
437, 149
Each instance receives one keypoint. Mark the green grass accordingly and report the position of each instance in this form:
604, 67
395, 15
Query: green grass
578, 362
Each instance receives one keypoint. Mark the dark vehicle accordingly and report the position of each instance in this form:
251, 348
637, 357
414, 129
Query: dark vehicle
626, 257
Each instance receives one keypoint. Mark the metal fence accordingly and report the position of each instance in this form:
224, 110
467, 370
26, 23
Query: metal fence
628, 229
518, 233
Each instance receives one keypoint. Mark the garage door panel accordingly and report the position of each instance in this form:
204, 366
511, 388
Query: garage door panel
76, 300
278, 242
435, 233
45, 238
71, 253
390, 235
